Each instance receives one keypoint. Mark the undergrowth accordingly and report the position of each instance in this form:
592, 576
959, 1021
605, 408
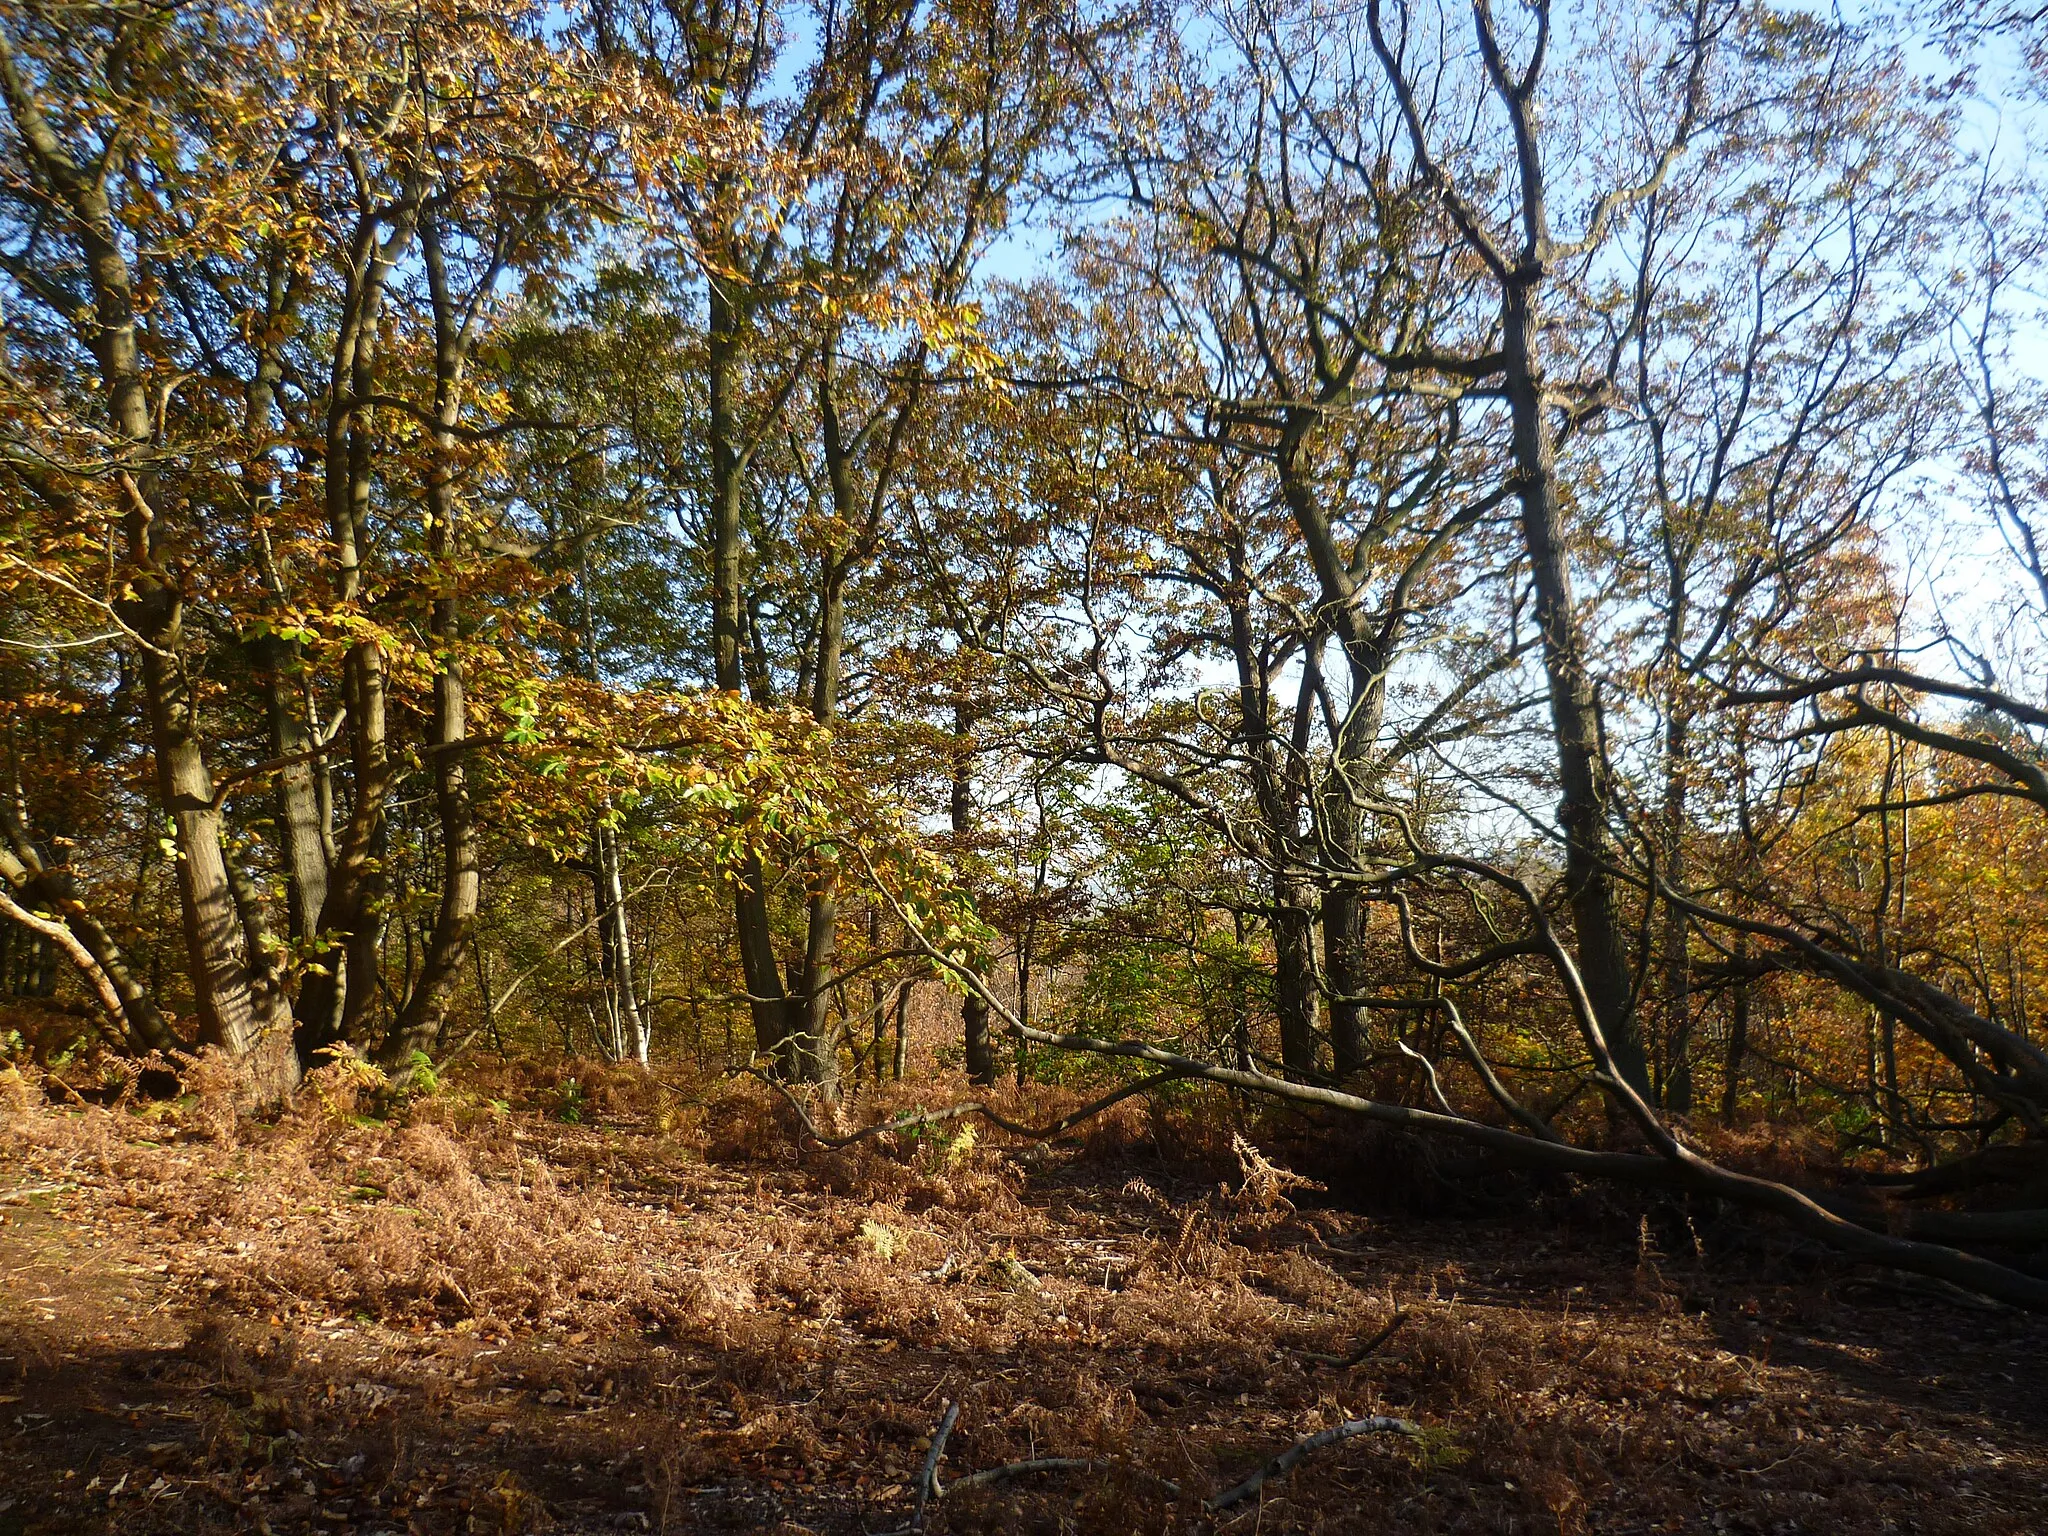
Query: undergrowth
664, 1278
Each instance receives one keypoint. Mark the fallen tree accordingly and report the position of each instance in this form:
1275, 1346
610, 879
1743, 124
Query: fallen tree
1668, 1161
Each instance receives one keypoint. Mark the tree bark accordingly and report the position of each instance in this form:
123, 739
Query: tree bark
303, 833
1676, 1051
607, 865
1738, 1040
814, 1035
1346, 788
1295, 994
237, 994
615, 941
978, 1048
418, 1027
767, 1002
1277, 781
1576, 728
301, 829
334, 999
114, 1017
335, 996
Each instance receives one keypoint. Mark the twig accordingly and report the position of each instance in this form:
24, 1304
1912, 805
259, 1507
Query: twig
1024, 1468
1051, 1464
928, 1480
83, 1101
30, 1191
1292, 1457
1358, 1356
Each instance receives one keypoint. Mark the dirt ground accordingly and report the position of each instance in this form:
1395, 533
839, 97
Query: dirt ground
477, 1316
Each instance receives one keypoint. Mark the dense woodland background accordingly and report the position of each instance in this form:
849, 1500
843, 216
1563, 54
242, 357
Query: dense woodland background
1480, 568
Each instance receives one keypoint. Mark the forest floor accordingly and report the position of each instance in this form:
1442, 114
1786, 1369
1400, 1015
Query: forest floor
477, 1317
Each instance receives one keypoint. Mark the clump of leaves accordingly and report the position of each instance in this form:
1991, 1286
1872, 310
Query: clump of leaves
1262, 1196
347, 1082
961, 1146
421, 1079
740, 1126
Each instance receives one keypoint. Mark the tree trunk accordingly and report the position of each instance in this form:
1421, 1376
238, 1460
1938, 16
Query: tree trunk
1676, 1054
878, 1013
607, 876
239, 1007
1738, 1039
301, 830
334, 1000
980, 1052
766, 1000
334, 997
1574, 706
1294, 976
114, 1019
615, 941
1345, 789
418, 1027
814, 1033
815, 1037
236, 994
1240, 1005
901, 1061
23, 871
1344, 971
1277, 780
304, 835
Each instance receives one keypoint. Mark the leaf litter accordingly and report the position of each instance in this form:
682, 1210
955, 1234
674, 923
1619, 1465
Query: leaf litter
472, 1317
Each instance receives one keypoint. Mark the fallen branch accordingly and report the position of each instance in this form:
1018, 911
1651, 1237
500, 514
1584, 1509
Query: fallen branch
1025, 1468
1672, 1165
1279, 1466
928, 1480
928, 1476
2017, 1163
1688, 1170
1293, 1456
2025, 1228
1363, 1352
